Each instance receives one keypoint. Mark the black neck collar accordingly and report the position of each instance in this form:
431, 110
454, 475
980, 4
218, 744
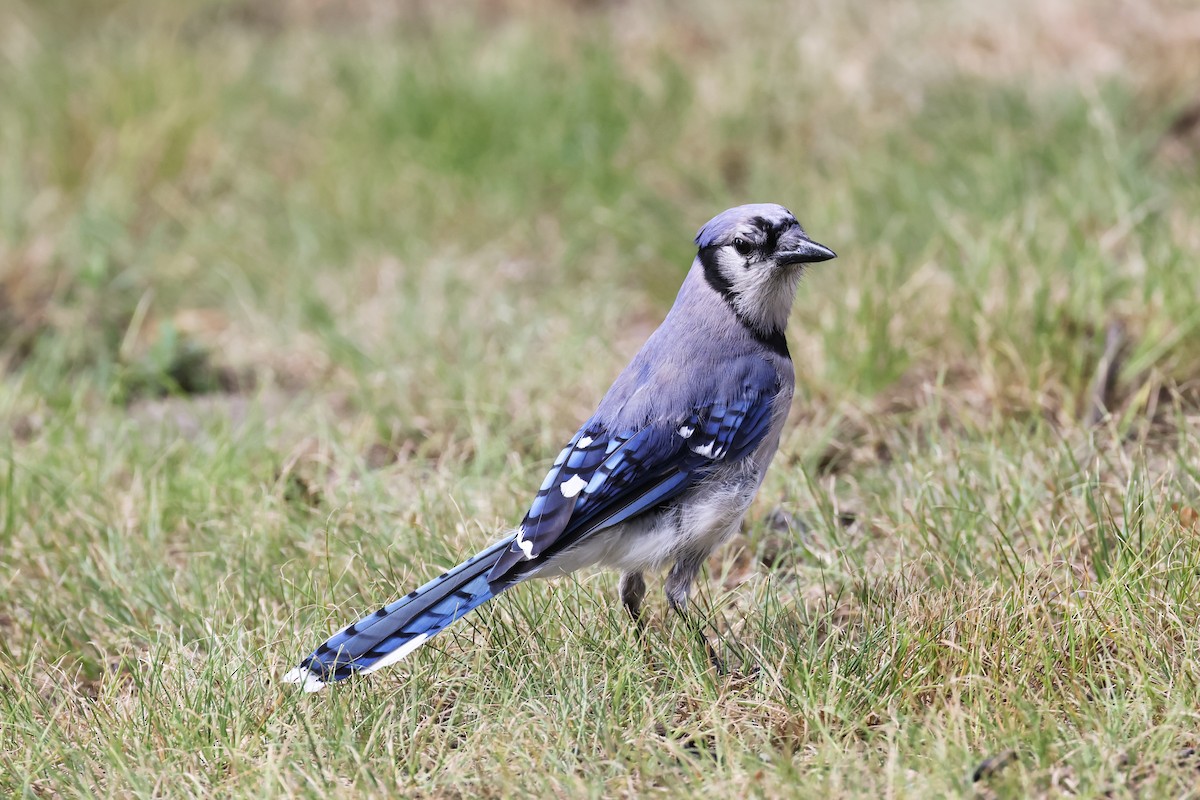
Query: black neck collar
775, 341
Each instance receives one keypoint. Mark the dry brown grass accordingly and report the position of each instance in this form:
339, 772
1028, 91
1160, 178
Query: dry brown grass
297, 298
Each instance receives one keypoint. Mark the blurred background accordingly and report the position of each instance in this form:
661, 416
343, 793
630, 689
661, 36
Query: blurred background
298, 299
208, 196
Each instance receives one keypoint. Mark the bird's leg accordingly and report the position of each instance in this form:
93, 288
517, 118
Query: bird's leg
632, 588
678, 588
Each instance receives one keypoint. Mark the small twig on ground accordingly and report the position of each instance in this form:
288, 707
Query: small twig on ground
1105, 381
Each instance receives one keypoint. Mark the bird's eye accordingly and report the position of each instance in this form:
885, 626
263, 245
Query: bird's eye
742, 246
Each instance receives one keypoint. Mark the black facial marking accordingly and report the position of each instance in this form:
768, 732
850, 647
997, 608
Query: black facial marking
775, 341
772, 231
712, 272
770, 235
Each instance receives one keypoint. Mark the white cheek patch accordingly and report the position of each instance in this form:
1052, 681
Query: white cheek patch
572, 487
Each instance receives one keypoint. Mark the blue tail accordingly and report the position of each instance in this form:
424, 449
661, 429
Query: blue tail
399, 628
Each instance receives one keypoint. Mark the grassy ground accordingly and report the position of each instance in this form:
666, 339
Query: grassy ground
298, 299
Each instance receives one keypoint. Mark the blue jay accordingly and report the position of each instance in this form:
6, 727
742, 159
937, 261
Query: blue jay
664, 470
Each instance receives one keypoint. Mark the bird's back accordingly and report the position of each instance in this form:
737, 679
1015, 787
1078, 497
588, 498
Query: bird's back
701, 352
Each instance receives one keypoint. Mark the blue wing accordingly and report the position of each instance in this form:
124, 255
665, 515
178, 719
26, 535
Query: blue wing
604, 477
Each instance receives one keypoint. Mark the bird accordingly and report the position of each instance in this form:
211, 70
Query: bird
664, 470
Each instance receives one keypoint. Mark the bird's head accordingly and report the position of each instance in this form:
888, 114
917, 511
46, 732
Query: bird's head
753, 255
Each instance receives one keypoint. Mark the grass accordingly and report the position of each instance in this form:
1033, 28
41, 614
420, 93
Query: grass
298, 300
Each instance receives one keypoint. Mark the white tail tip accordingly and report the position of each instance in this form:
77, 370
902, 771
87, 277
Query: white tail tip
306, 678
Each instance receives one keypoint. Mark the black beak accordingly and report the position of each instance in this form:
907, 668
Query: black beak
804, 251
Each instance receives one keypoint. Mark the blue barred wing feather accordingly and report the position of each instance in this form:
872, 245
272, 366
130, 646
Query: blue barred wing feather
604, 477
